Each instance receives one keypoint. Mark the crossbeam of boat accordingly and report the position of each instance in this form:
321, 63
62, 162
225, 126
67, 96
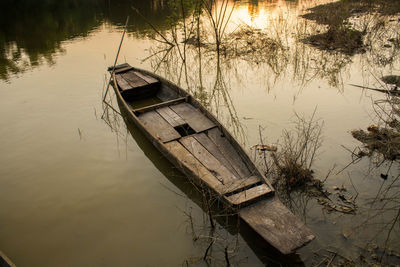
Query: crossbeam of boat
162, 104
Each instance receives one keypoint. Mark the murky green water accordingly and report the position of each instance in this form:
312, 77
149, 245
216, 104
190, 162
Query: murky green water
79, 188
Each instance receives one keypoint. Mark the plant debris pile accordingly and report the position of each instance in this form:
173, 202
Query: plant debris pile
341, 35
251, 44
385, 141
341, 10
343, 39
339, 201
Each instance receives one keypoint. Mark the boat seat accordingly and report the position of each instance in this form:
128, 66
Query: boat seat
134, 85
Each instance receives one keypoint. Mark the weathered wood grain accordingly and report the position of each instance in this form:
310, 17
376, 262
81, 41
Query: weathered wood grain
277, 225
191, 164
208, 160
198, 121
122, 83
229, 152
213, 149
239, 184
147, 78
170, 116
123, 69
133, 79
249, 195
165, 93
120, 68
158, 127
160, 105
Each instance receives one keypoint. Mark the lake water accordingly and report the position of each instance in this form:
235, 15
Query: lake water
80, 188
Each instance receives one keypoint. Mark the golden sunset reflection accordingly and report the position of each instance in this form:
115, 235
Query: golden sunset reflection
259, 14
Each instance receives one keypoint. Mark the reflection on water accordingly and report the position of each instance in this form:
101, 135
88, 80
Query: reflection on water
59, 189
36, 37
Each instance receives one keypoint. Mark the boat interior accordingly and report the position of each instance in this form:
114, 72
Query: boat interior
194, 139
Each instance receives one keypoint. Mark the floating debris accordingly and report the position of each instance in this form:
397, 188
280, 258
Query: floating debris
270, 148
386, 141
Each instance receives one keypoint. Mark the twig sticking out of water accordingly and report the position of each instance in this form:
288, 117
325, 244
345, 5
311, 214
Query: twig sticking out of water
227, 257
208, 248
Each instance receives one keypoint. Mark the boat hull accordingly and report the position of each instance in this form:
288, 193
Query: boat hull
208, 155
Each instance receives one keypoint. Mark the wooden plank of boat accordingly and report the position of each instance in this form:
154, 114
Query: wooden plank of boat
133, 79
160, 105
208, 160
170, 116
213, 149
229, 152
158, 127
147, 78
193, 117
192, 166
277, 225
249, 196
239, 185
120, 68
122, 83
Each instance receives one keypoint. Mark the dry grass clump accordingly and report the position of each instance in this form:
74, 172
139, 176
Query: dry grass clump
250, 44
342, 39
246, 40
291, 164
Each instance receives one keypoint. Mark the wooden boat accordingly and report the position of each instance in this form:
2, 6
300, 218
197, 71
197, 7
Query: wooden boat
194, 141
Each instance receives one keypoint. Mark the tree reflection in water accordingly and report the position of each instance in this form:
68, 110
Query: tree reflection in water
32, 32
